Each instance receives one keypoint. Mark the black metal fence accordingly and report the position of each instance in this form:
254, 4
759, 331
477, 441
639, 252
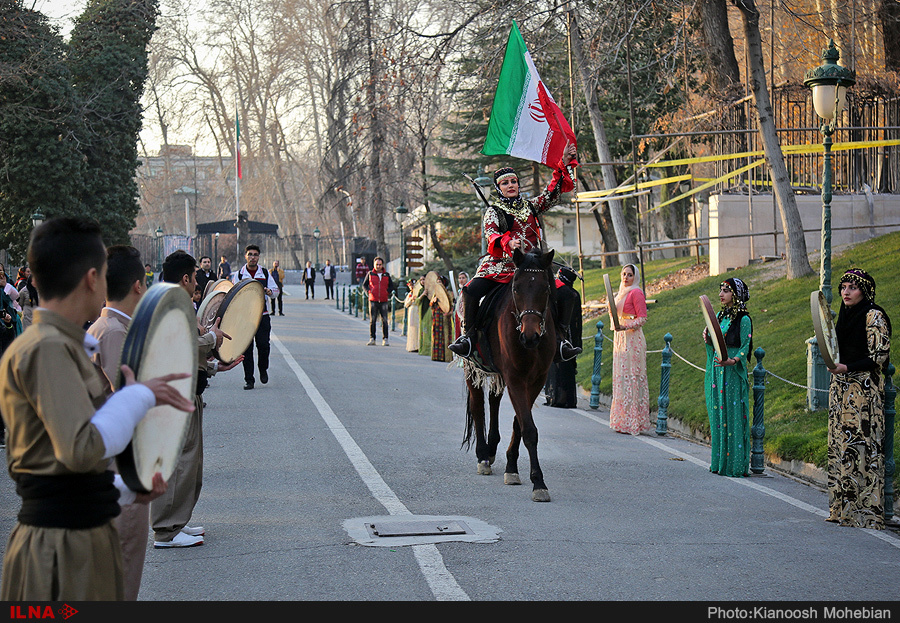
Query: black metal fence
868, 118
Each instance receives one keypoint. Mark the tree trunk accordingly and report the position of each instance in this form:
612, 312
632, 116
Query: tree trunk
722, 69
797, 260
376, 138
889, 16
617, 215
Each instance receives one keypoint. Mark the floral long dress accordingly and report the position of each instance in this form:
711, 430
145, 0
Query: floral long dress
630, 409
727, 391
856, 435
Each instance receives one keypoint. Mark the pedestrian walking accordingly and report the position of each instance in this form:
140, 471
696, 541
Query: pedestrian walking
309, 279
278, 276
261, 338
328, 275
379, 286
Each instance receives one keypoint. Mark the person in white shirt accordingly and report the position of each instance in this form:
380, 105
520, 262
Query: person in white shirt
253, 270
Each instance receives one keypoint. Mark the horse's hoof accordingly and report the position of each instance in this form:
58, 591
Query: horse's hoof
540, 495
484, 468
511, 479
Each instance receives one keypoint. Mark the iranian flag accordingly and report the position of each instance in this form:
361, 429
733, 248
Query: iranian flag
525, 120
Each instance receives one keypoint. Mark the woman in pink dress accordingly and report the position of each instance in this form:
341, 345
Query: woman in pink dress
630, 410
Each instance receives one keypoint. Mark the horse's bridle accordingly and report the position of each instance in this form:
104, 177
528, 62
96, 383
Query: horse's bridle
540, 314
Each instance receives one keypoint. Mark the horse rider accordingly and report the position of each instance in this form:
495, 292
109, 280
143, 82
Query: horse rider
511, 223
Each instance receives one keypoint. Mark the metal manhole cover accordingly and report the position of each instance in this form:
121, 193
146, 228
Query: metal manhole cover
385, 529
402, 530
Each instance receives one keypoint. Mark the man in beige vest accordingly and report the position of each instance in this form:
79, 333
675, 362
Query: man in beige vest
63, 430
171, 512
125, 285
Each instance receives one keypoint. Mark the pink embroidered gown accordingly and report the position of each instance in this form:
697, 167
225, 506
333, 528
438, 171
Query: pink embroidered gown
630, 410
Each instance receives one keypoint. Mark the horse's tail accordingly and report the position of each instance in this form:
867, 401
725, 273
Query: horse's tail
470, 426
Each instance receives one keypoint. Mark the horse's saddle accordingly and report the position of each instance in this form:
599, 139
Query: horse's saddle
484, 320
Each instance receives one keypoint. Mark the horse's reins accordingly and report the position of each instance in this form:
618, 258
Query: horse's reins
519, 314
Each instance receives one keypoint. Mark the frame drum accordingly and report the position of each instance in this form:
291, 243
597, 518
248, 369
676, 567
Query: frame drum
434, 287
241, 311
209, 307
823, 324
217, 285
161, 339
611, 301
712, 325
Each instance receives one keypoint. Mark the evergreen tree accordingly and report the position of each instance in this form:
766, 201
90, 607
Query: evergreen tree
108, 60
40, 165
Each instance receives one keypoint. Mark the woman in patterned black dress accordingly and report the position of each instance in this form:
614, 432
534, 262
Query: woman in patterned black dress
855, 406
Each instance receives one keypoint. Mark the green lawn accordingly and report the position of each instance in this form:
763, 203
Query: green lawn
781, 325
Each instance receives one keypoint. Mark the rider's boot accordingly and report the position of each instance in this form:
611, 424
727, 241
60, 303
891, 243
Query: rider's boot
564, 312
566, 350
465, 343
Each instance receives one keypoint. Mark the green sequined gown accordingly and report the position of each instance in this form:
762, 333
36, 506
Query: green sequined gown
728, 405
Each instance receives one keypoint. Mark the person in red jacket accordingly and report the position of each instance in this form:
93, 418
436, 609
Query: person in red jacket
380, 287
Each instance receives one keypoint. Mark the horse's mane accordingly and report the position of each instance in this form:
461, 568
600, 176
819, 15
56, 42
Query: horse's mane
532, 260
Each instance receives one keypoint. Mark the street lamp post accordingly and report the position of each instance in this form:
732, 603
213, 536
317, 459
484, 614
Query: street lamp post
401, 214
484, 182
37, 220
159, 235
829, 83
316, 234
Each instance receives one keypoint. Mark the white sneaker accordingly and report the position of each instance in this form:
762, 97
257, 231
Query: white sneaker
181, 540
194, 531
384, 343
371, 342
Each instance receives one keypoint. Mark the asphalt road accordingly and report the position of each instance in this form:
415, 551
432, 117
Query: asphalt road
346, 436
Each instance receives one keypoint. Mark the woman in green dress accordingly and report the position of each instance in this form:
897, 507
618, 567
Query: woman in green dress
726, 384
855, 406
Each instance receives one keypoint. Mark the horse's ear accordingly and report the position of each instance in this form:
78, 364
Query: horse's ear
547, 258
518, 256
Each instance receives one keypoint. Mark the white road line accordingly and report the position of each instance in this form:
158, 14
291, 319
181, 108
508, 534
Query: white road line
883, 535
442, 583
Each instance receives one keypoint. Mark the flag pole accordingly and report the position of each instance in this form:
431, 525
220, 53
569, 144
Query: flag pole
575, 171
237, 181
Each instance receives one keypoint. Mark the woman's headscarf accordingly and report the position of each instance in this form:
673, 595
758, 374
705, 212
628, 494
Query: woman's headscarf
623, 289
851, 323
514, 205
863, 281
740, 293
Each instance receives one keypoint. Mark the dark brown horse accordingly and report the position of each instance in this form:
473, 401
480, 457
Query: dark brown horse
522, 342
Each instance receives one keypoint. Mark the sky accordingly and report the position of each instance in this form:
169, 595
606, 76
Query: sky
60, 12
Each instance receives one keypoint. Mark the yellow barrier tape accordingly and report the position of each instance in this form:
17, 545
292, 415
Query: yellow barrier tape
596, 194
693, 191
787, 149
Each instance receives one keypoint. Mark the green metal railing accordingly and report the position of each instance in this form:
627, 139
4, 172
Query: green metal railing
758, 429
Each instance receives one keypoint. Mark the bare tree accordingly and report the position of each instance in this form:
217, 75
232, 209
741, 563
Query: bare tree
797, 260
589, 88
722, 70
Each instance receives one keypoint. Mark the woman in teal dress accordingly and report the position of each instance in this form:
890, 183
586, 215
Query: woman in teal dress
727, 386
